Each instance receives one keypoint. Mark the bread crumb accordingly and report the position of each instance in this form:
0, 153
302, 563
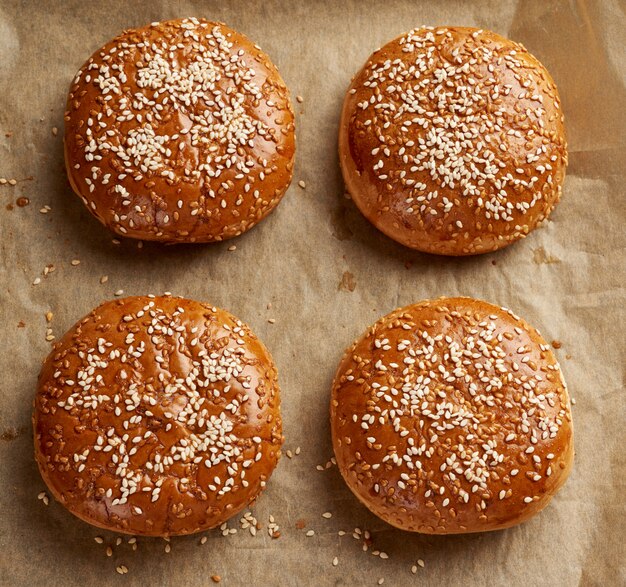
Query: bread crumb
557, 344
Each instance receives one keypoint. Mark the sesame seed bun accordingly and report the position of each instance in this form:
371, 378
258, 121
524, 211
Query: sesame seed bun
451, 141
180, 131
451, 416
157, 416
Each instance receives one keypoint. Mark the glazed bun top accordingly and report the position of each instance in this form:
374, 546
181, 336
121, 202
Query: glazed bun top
452, 140
157, 416
452, 416
179, 131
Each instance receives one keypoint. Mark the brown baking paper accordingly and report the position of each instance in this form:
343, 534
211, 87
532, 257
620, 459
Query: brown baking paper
327, 274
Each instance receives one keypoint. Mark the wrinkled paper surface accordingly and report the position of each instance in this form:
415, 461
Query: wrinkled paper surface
328, 274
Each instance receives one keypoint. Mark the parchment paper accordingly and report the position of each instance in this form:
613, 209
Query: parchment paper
328, 274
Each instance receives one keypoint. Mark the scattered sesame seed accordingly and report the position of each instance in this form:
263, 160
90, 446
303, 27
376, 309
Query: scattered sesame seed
302, 184
75, 262
232, 248
335, 561
327, 515
300, 99
37, 281
310, 533
119, 292
104, 279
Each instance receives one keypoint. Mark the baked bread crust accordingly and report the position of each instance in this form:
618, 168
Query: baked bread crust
157, 416
180, 131
452, 416
452, 142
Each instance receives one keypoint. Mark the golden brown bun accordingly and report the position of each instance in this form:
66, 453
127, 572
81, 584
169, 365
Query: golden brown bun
452, 416
452, 142
157, 416
180, 131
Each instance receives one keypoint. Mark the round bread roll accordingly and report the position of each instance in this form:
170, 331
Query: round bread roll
451, 416
157, 416
452, 142
180, 131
